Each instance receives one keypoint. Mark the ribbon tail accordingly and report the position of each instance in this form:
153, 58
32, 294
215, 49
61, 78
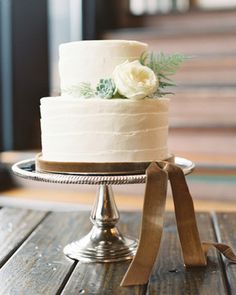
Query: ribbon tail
151, 227
192, 250
224, 249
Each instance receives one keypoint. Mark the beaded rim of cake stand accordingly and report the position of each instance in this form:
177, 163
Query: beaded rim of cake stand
104, 215
26, 169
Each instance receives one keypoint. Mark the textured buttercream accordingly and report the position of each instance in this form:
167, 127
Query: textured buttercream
100, 130
90, 61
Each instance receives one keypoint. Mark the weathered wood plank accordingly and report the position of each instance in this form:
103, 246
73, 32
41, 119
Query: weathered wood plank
225, 225
39, 266
170, 275
105, 278
15, 226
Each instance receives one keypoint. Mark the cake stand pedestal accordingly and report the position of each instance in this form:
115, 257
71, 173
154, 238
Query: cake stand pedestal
104, 243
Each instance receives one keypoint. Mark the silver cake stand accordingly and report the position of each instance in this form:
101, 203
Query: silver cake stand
104, 243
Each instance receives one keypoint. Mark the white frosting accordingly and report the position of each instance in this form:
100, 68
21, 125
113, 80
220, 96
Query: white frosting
102, 130
90, 61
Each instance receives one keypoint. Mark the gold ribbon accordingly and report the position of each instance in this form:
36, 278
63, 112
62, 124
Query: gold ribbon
194, 252
151, 227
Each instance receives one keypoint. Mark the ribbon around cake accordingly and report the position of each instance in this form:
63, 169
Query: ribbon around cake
194, 251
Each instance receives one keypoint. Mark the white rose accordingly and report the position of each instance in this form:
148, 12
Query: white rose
134, 80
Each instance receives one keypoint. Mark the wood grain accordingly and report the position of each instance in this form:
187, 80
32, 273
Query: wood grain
105, 279
226, 232
171, 277
35, 264
15, 226
39, 266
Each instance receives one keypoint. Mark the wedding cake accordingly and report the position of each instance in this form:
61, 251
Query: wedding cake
110, 108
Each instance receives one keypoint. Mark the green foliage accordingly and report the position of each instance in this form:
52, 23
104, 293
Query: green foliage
105, 88
163, 66
85, 90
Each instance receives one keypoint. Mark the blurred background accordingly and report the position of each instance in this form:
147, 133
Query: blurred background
203, 110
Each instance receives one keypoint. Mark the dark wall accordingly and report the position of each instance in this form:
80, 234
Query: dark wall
28, 68
99, 16
0, 83
1, 139
89, 29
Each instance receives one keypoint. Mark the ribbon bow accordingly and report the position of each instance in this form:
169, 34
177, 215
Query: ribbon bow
194, 251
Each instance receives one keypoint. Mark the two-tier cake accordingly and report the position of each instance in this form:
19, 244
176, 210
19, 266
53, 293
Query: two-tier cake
108, 110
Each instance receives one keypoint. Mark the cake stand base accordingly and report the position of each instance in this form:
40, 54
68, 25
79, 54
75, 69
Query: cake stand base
104, 243
111, 247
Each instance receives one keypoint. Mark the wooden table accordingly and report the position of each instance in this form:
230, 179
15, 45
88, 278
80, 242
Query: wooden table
32, 261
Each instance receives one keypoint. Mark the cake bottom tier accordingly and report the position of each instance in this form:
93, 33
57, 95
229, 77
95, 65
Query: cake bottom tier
101, 130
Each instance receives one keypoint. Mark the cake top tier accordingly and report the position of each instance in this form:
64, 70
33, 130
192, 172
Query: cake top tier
89, 61
115, 48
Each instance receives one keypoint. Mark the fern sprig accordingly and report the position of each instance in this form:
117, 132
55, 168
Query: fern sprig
163, 66
85, 90
143, 58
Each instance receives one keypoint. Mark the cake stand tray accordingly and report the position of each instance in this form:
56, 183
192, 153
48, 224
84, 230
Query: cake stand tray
104, 243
